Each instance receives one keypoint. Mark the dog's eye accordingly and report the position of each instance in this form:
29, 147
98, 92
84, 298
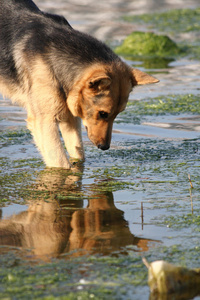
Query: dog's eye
103, 114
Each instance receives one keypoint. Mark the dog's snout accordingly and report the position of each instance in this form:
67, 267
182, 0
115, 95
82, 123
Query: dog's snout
103, 147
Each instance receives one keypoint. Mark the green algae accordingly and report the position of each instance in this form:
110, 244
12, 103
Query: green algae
184, 221
147, 166
14, 137
66, 279
148, 44
30, 184
175, 23
171, 104
91, 277
177, 20
15, 179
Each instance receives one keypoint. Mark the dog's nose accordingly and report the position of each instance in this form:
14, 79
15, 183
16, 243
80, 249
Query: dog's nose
103, 147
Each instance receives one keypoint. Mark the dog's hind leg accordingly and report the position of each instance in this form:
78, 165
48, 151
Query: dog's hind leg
71, 132
46, 135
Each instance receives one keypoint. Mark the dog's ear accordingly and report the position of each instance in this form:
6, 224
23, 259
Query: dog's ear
99, 83
140, 77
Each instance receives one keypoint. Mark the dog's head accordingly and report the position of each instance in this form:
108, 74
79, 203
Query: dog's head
100, 95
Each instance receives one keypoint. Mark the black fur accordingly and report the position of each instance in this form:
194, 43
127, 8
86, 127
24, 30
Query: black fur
48, 35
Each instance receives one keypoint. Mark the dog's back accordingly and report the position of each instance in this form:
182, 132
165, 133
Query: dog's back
22, 22
19, 20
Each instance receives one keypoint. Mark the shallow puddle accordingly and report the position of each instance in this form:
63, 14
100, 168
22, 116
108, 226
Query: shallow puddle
82, 234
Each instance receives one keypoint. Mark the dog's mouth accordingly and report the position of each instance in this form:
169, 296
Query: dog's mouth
99, 146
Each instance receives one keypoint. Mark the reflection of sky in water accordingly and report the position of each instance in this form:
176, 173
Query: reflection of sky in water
10, 210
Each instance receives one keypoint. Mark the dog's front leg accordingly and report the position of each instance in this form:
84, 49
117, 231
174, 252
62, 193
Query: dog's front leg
46, 135
72, 135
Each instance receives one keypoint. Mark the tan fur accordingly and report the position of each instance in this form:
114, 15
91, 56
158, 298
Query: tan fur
117, 82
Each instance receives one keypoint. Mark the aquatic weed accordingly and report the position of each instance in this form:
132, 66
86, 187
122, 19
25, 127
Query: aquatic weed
181, 20
175, 23
173, 104
148, 44
14, 137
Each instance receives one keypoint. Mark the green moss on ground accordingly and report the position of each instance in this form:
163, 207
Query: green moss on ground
148, 44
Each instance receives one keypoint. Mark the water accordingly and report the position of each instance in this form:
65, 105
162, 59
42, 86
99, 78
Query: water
134, 199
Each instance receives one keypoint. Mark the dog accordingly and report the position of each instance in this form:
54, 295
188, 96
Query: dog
60, 76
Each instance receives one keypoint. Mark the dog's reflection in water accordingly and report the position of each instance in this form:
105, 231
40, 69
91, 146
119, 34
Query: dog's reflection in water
59, 223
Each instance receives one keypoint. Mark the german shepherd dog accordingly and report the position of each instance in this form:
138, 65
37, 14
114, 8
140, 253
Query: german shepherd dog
61, 76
